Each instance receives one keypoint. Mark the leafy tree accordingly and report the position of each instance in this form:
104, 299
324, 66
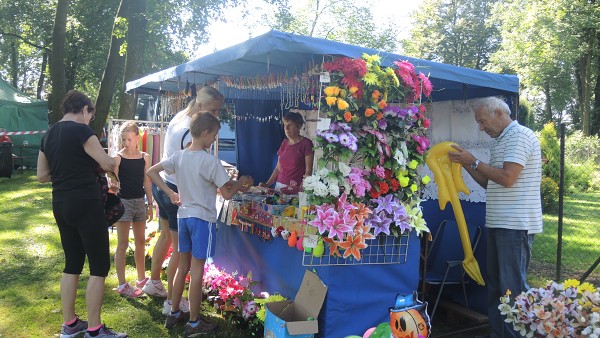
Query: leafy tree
454, 32
57, 68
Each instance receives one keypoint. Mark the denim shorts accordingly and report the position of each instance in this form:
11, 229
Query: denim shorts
198, 237
166, 209
135, 210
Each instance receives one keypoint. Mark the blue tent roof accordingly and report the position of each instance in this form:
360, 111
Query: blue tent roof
285, 53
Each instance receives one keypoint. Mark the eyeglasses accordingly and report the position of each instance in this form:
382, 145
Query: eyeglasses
93, 116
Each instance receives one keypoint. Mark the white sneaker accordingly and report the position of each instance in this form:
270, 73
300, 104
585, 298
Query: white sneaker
184, 306
155, 288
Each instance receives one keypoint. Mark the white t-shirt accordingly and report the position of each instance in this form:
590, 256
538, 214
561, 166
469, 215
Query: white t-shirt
518, 207
199, 174
173, 139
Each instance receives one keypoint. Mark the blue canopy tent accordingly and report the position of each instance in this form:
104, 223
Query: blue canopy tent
289, 54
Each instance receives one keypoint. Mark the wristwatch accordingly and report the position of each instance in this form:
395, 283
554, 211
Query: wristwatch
475, 164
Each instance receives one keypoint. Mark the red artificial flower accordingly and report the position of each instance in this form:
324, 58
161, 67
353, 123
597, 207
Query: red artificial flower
395, 184
384, 188
379, 116
426, 123
388, 174
374, 193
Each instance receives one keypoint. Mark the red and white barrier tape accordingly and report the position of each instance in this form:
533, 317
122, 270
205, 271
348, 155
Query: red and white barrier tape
11, 133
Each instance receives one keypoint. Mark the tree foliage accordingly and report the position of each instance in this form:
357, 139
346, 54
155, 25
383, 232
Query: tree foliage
454, 32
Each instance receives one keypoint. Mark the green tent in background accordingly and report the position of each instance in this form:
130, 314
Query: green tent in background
19, 112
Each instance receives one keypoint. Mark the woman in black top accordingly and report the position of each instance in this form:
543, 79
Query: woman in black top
70, 155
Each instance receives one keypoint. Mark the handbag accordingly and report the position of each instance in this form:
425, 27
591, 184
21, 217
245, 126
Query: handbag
113, 207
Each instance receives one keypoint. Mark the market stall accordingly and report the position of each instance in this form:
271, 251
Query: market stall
273, 73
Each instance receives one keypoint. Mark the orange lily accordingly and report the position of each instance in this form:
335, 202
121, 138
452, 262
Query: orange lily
333, 247
352, 246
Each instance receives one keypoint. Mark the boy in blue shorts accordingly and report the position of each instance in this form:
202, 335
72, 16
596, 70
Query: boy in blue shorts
199, 175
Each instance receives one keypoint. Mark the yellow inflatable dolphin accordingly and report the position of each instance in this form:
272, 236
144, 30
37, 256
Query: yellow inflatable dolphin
448, 176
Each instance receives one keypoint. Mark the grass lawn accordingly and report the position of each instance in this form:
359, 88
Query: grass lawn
31, 263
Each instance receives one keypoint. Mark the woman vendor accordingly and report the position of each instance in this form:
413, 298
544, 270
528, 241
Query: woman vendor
296, 157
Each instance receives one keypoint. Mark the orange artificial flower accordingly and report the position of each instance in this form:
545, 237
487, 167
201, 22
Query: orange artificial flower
348, 116
342, 104
379, 116
352, 246
361, 212
333, 247
369, 112
376, 94
382, 104
352, 89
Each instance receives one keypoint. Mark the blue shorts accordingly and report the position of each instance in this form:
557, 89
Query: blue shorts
166, 209
198, 237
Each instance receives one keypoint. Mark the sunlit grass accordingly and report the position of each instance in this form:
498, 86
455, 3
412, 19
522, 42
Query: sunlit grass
31, 263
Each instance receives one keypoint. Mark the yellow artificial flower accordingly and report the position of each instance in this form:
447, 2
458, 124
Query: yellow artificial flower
586, 287
414, 188
330, 100
353, 89
571, 283
371, 58
404, 180
371, 79
426, 179
342, 104
332, 90
413, 164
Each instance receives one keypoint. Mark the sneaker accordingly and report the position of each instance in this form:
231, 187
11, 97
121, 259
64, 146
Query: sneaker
140, 283
173, 319
202, 328
129, 291
184, 306
71, 331
155, 288
105, 332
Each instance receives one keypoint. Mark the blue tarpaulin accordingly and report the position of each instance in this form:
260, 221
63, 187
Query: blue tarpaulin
285, 53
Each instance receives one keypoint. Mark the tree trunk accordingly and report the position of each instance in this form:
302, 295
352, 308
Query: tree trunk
136, 43
40, 84
548, 109
595, 115
14, 63
57, 58
114, 64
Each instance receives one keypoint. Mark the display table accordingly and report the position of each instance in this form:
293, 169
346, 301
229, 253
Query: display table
358, 296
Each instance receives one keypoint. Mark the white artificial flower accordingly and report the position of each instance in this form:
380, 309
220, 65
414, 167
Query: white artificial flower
344, 169
334, 190
321, 189
309, 182
399, 157
323, 172
331, 180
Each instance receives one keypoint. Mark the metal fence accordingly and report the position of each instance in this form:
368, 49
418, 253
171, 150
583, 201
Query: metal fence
569, 247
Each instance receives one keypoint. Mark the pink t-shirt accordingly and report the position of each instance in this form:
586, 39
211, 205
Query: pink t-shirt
291, 160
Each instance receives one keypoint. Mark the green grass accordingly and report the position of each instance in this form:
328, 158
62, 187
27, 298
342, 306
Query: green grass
31, 263
581, 240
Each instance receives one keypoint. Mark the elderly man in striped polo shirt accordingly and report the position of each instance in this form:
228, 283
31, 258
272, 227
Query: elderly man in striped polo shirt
513, 202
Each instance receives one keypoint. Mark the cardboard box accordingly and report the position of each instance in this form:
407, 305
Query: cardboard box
273, 209
290, 318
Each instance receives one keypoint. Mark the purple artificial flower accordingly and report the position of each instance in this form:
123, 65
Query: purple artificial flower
373, 220
401, 218
331, 137
345, 140
382, 124
344, 126
386, 203
379, 171
422, 143
383, 225
391, 111
402, 113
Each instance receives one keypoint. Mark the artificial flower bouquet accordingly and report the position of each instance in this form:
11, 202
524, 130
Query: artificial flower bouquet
368, 181
569, 309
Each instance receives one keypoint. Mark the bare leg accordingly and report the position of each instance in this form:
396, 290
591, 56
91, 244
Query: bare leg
195, 292
68, 293
179, 282
122, 245
160, 249
93, 298
173, 263
139, 237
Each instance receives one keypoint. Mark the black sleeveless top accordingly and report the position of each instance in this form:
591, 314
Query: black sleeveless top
131, 175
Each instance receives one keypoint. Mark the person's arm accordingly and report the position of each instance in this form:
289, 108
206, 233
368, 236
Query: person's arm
505, 176
153, 174
308, 163
273, 177
43, 169
148, 188
233, 186
93, 148
115, 186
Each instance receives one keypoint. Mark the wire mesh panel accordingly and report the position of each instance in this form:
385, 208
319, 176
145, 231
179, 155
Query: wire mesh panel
381, 250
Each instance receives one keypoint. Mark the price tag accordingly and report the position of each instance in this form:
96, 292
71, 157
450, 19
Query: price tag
310, 241
324, 77
323, 124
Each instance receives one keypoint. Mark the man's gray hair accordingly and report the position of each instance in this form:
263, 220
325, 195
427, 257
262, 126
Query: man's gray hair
492, 104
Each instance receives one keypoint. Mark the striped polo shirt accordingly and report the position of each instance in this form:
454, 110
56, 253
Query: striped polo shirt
518, 207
